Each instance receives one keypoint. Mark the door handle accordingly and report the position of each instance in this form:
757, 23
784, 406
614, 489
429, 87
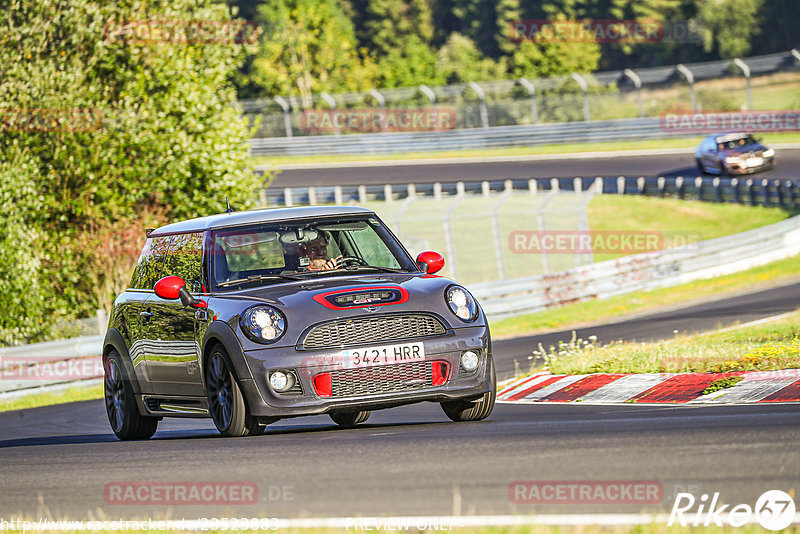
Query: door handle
145, 314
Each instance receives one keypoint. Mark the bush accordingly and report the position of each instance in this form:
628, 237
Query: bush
99, 129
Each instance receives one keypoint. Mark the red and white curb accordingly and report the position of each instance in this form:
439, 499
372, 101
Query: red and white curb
660, 388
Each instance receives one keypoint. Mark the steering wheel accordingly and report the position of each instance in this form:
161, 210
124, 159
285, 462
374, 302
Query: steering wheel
352, 259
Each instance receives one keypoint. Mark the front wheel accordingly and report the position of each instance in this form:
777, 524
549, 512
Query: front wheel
123, 415
226, 401
700, 166
474, 410
350, 418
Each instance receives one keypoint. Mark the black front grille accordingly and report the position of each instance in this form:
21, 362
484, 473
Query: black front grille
296, 389
154, 405
381, 379
363, 330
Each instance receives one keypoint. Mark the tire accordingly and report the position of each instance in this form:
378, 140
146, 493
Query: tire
700, 166
226, 401
123, 414
347, 419
474, 410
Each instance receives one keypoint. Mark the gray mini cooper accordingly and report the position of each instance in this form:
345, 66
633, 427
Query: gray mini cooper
251, 317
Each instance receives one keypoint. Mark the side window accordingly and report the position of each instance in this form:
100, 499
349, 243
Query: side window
185, 259
151, 263
372, 248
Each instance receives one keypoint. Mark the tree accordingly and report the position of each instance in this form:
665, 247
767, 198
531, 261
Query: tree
728, 26
540, 57
102, 125
309, 46
459, 60
398, 35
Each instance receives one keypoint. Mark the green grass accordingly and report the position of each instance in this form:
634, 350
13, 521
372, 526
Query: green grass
419, 226
565, 148
722, 383
762, 347
75, 394
679, 221
582, 313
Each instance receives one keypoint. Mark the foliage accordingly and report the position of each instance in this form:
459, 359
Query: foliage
763, 347
459, 60
103, 131
724, 32
308, 47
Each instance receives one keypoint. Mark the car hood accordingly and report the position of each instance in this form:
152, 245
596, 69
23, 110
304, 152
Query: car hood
296, 300
746, 149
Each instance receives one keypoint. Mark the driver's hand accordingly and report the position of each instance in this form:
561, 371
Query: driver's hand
325, 265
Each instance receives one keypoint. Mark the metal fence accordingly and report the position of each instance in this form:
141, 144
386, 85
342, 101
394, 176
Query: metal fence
475, 138
641, 272
601, 96
748, 191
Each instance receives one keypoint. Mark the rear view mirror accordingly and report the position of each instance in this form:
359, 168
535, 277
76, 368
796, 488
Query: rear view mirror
430, 261
174, 287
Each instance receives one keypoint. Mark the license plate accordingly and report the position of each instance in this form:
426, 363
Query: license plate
384, 355
755, 162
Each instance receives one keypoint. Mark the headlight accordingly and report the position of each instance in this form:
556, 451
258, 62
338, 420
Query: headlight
264, 324
768, 153
461, 303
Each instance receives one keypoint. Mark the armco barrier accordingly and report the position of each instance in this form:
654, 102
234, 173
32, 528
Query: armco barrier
53, 363
652, 270
705, 259
498, 136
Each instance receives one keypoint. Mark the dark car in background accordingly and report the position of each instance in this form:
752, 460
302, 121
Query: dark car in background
255, 316
733, 153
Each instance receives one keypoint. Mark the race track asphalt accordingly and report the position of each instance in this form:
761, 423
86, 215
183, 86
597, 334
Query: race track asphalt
670, 165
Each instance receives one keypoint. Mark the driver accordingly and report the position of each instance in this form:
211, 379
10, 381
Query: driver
317, 253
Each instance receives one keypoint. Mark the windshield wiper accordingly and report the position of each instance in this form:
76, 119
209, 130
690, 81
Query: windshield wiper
373, 267
258, 278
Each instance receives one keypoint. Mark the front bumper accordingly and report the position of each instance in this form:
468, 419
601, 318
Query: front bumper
741, 167
459, 385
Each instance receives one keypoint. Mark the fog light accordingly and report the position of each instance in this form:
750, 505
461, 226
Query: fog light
279, 381
469, 360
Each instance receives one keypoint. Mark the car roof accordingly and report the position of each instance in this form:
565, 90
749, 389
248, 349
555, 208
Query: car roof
239, 218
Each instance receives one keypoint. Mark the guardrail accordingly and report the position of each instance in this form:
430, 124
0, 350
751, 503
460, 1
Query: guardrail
750, 191
467, 138
46, 366
641, 272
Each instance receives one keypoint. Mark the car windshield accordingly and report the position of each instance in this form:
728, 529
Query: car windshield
737, 143
285, 251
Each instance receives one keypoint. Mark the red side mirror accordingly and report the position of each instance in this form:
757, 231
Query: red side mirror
431, 262
169, 287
